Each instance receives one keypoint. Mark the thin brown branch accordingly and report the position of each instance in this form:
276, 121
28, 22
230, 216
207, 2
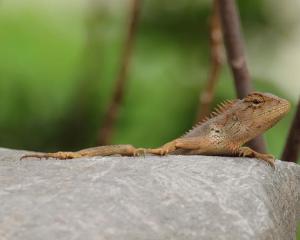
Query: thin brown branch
111, 115
292, 146
234, 44
216, 45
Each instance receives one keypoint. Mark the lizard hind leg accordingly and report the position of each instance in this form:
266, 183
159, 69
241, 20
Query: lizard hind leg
192, 143
248, 152
163, 150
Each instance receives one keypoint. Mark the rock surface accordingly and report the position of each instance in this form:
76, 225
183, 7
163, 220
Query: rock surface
174, 197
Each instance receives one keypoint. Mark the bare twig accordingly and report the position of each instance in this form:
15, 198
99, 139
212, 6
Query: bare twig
292, 146
216, 45
236, 57
110, 118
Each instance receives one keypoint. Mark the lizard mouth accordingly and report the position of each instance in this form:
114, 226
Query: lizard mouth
277, 112
284, 107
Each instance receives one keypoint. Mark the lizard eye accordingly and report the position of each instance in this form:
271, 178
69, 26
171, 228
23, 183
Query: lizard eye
256, 102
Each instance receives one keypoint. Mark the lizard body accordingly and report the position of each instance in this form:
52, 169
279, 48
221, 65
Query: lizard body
229, 127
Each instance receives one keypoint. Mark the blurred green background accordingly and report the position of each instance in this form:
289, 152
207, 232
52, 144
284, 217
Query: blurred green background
59, 60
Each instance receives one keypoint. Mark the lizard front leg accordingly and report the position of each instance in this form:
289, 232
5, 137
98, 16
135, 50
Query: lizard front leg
123, 150
248, 152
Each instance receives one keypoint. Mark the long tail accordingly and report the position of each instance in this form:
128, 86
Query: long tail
57, 155
37, 155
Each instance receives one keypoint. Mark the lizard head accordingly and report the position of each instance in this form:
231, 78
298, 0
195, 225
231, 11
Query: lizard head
265, 109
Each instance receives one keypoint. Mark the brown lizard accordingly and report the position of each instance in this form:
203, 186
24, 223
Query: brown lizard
229, 127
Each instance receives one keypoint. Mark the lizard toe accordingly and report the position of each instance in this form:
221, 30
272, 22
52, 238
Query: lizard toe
139, 152
164, 151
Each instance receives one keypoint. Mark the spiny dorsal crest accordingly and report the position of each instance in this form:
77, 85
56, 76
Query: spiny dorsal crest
219, 109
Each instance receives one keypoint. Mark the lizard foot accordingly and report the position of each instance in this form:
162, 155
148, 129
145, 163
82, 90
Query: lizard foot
157, 151
248, 152
57, 155
164, 150
139, 152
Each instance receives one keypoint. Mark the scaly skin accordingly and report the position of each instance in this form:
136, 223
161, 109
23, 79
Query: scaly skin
124, 150
230, 127
226, 131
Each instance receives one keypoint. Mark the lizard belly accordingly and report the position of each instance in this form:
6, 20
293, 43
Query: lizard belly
209, 149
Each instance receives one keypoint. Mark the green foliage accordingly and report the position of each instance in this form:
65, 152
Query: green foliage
57, 76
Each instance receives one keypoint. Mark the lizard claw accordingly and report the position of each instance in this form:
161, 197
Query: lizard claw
248, 152
270, 159
164, 150
158, 151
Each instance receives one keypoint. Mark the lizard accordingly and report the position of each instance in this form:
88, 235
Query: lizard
224, 133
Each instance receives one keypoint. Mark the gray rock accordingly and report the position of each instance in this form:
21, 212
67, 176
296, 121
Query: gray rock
174, 197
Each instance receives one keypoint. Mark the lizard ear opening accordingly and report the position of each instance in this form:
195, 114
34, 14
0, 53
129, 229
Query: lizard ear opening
215, 129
